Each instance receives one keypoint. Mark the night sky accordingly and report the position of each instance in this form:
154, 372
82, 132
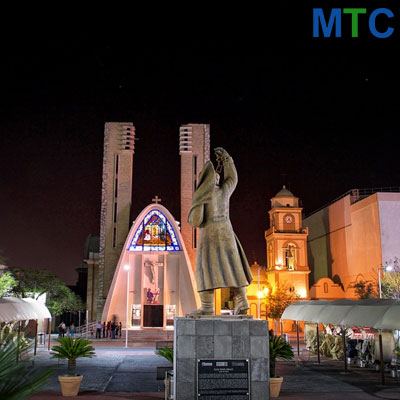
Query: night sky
320, 115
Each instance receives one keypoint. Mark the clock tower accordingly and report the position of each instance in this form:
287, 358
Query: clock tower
287, 244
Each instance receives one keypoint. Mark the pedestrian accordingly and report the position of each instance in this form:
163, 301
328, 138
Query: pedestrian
116, 329
120, 329
113, 326
61, 329
109, 329
91, 332
72, 330
104, 329
99, 326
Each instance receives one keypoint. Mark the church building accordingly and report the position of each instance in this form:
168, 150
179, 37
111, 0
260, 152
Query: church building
158, 251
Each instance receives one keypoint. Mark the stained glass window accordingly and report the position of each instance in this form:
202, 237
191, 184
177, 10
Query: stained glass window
155, 233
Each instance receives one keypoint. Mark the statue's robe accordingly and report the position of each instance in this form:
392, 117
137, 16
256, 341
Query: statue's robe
221, 261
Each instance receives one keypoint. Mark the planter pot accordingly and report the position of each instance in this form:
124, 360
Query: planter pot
70, 385
275, 386
169, 385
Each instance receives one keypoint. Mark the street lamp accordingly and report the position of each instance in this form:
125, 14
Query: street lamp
387, 268
127, 268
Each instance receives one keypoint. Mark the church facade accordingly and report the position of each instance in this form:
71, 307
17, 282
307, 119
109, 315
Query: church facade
160, 284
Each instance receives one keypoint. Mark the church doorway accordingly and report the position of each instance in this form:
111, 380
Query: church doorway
157, 287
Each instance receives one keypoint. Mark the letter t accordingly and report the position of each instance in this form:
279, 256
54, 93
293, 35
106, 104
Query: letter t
354, 18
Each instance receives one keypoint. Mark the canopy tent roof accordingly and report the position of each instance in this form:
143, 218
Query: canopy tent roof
371, 313
15, 309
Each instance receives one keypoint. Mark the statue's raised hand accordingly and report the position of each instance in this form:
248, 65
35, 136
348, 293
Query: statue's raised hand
220, 152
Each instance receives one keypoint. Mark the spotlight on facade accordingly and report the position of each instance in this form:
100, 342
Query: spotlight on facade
266, 290
388, 268
302, 293
260, 294
127, 267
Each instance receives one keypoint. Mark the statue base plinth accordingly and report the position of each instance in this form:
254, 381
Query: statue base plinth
202, 344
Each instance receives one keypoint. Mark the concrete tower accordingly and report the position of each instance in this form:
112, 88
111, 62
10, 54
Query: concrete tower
194, 149
116, 198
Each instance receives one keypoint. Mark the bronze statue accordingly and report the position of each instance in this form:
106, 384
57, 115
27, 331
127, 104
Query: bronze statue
220, 260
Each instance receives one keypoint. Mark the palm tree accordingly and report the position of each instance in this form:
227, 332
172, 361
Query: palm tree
19, 380
278, 347
71, 349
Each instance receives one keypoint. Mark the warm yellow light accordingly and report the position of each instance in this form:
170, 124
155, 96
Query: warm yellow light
266, 290
302, 293
260, 294
278, 267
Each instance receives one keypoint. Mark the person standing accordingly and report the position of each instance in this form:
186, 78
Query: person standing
104, 329
98, 330
61, 329
113, 330
120, 329
72, 330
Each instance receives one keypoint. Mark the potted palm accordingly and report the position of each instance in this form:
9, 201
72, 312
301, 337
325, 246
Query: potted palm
168, 354
278, 347
71, 349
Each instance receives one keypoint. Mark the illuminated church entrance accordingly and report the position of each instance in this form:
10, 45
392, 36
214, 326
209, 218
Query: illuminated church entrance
161, 281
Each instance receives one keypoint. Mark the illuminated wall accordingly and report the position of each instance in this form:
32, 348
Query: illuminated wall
349, 239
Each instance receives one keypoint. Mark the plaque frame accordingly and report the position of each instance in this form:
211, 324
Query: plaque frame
247, 360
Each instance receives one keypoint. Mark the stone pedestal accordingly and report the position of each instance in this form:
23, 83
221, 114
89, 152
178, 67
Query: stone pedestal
221, 338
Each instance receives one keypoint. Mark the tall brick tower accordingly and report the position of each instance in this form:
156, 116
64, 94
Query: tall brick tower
116, 198
194, 149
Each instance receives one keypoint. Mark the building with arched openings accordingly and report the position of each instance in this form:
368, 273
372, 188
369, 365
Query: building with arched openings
286, 243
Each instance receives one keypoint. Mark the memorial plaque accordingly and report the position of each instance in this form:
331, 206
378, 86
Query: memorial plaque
223, 379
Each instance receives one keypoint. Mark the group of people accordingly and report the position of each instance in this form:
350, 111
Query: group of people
109, 330
63, 330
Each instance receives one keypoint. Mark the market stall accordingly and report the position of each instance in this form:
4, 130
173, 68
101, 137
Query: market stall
379, 314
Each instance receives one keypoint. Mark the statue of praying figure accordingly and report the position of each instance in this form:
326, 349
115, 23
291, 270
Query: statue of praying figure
220, 261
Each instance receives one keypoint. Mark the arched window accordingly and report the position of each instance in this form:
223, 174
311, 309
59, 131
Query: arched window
155, 233
290, 257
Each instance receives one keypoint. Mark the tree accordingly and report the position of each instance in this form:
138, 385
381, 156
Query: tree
391, 279
36, 282
7, 283
280, 297
364, 290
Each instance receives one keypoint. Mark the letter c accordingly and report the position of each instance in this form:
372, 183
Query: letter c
372, 27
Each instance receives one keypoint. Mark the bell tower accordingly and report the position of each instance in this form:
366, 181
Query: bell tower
287, 244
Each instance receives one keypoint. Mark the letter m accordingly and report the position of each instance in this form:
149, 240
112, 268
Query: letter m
319, 18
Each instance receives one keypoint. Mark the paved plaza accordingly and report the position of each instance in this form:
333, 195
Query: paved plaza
119, 373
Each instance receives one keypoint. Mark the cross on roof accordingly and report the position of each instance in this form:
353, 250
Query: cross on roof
156, 200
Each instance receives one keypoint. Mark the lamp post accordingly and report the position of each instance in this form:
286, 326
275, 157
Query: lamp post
388, 268
127, 268
258, 293
261, 294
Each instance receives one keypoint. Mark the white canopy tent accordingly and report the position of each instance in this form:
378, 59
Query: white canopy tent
15, 309
369, 313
